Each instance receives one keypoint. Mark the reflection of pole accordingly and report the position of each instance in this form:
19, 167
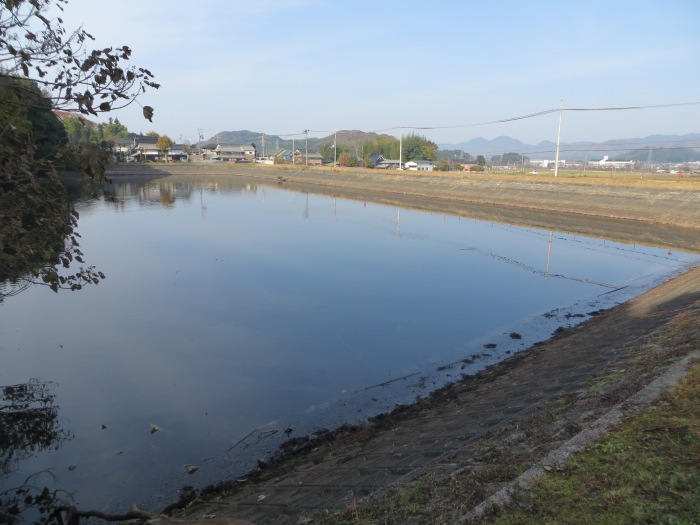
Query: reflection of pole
549, 254
556, 161
398, 222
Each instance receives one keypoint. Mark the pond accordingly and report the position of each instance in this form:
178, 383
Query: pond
235, 316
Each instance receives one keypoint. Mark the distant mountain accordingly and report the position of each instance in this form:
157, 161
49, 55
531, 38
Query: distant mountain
348, 138
661, 156
619, 148
665, 148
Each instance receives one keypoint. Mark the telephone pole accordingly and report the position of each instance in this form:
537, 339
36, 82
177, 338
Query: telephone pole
556, 160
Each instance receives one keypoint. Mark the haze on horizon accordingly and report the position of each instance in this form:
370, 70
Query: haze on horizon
282, 66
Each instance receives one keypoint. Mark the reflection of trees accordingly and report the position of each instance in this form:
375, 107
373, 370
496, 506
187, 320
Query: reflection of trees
28, 422
31, 502
38, 242
167, 194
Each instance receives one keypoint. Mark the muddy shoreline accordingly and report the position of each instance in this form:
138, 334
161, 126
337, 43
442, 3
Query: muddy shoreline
663, 213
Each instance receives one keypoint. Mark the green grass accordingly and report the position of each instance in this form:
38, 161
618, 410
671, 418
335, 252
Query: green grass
646, 471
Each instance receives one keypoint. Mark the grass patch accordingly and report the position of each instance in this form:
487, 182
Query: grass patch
647, 471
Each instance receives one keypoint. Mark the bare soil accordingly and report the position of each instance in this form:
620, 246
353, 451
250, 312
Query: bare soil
469, 439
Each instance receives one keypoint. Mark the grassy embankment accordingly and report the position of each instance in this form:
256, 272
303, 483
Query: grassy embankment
647, 470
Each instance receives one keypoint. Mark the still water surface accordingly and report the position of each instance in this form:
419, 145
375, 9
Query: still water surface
232, 312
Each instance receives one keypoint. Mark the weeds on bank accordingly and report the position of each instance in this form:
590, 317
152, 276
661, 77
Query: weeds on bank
647, 471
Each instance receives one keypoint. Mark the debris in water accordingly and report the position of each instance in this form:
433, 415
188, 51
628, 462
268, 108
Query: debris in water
154, 428
191, 469
515, 335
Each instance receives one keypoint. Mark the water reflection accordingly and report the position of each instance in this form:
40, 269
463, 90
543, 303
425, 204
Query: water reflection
167, 194
29, 422
233, 313
29, 426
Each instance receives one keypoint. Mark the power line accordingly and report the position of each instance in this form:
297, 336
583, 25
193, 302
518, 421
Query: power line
504, 120
628, 108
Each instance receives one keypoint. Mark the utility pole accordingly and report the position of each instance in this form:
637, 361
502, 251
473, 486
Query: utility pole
306, 134
293, 150
400, 145
556, 161
335, 149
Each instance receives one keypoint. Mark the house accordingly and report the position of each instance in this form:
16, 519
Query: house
177, 152
144, 149
375, 159
312, 159
228, 152
419, 165
389, 164
123, 148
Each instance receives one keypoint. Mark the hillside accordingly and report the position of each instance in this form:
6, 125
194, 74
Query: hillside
665, 148
661, 155
352, 139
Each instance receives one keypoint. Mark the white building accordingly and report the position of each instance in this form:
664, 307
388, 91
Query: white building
419, 165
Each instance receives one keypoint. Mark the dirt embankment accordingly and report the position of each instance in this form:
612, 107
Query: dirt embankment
659, 212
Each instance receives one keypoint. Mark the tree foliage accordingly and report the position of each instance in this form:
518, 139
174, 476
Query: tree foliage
417, 147
164, 143
345, 159
112, 130
86, 81
384, 145
44, 67
328, 151
509, 159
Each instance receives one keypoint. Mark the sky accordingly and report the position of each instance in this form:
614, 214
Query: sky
282, 66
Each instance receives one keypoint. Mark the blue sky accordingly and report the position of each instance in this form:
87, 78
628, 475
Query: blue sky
281, 66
